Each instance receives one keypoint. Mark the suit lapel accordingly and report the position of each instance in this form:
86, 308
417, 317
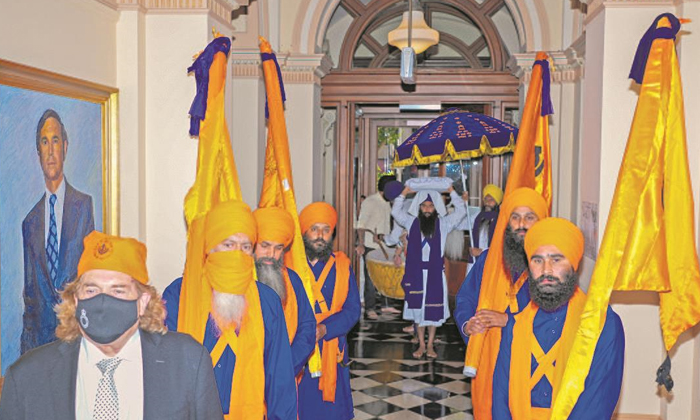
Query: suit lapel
38, 236
154, 375
65, 368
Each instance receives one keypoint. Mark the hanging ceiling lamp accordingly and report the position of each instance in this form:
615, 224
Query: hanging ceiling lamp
413, 31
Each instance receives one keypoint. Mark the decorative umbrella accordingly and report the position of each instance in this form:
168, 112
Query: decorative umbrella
456, 135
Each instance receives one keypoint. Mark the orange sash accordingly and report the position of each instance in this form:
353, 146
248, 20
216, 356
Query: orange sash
550, 365
482, 384
248, 386
331, 354
291, 313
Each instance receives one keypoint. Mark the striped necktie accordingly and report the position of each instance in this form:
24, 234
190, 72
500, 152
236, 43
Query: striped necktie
52, 243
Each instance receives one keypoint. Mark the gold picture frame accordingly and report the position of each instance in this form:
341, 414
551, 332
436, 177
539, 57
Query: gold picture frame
19, 85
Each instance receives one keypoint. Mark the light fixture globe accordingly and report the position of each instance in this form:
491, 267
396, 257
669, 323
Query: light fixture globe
422, 35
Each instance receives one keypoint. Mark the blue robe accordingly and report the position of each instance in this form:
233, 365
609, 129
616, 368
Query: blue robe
280, 389
311, 404
602, 386
467, 298
303, 343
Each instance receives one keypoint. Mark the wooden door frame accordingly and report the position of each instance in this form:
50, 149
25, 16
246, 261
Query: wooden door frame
344, 91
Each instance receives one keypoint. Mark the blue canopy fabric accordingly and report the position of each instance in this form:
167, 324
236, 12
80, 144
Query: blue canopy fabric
456, 135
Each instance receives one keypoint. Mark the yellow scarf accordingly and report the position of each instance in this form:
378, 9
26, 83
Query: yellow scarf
231, 272
331, 354
551, 364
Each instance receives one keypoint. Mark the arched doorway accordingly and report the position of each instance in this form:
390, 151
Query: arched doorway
362, 94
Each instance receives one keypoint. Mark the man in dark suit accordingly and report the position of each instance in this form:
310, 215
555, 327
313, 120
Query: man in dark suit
114, 358
52, 235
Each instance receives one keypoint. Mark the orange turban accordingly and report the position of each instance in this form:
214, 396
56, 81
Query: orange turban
226, 219
558, 232
318, 212
275, 224
525, 197
107, 252
229, 271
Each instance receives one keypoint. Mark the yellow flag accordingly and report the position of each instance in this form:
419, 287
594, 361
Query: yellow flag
531, 167
278, 188
653, 201
216, 180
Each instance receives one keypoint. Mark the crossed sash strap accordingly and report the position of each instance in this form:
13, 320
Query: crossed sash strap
330, 353
550, 365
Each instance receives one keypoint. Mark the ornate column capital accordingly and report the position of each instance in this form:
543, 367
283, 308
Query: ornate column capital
567, 64
219, 9
296, 68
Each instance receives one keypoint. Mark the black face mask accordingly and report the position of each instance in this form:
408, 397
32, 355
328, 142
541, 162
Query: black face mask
105, 318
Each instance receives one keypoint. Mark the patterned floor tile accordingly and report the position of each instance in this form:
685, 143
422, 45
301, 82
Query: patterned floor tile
382, 391
359, 398
378, 408
432, 393
362, 383
458, 402
458, 416
402, 415
408, 385
456, 387
361, 415
385, 377
432, 410
390, 384
406, 400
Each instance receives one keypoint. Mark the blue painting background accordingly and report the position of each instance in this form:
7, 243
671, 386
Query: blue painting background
22, 186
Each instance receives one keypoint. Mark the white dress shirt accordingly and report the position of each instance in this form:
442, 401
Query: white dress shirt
58, 210
375, 216
128, 379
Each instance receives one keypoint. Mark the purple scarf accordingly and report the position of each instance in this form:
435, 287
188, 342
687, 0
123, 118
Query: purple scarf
412, 281
484, 216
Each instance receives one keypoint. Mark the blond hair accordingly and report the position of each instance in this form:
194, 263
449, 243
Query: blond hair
153, 319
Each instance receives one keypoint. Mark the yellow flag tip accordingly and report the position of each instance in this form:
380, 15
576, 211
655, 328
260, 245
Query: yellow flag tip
685, 20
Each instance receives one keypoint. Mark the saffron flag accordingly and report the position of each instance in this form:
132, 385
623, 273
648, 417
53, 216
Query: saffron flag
653, 200
531, 167
216, 180
278, 188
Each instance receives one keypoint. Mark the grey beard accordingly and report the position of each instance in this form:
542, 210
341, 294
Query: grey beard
227, 309
271, 275
321, 254
551, 300
514, 256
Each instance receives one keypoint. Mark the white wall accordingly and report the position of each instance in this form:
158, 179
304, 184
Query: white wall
71, 37
609, 103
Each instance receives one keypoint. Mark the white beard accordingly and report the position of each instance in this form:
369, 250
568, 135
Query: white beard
227, 309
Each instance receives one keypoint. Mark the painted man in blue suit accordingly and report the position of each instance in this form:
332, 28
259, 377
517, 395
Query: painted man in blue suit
52, 235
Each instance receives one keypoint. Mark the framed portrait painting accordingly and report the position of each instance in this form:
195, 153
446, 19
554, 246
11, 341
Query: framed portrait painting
58, 182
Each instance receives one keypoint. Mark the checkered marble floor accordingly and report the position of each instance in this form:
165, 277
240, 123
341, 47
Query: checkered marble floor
388, 383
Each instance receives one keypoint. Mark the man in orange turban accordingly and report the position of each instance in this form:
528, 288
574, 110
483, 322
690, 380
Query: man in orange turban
114, 357
337, 308
275, 234
544, 331
497, 287
245, 331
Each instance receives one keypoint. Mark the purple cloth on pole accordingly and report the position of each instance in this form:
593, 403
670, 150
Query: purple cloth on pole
640, 57
273, 57
200, 67
547, 108
412, 281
